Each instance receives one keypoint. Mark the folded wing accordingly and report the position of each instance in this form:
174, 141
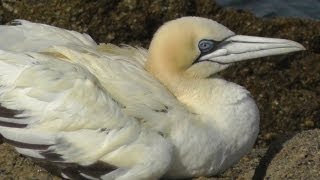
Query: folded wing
57, 111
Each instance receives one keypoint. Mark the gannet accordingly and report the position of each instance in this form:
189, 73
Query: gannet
100, 111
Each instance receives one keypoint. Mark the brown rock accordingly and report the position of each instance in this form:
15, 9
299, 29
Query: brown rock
15, 167
299, 158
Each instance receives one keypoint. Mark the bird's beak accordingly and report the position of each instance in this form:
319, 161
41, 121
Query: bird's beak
239, 48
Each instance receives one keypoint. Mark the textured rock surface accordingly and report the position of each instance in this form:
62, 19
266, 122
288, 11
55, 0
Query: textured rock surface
299, 158
295, 156
15, 167
286, 88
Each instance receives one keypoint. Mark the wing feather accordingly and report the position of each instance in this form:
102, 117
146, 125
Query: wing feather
67, 101
58, 111
121, 72
23, 36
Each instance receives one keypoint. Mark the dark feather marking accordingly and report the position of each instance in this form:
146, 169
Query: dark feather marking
14, 125
52, 156
73, 174
161, 110
53, 167
97, 169
10, 113
161, 134
164, 110
73, 170
26, 145
105, 130
60, 165
57, 168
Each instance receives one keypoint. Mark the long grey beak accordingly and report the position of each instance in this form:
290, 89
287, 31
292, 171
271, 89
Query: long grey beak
238, 48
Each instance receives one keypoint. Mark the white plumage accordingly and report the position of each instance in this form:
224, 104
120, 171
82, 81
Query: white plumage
139, 115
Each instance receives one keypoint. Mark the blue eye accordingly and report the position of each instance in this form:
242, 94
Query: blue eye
205, 46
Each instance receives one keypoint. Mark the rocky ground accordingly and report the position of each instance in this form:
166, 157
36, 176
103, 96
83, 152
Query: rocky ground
286, 88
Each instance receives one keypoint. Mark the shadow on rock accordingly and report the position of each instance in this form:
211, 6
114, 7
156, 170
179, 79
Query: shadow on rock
274, 148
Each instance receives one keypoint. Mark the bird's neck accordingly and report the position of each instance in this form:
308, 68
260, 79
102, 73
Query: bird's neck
200, 96
226, 113
220, 104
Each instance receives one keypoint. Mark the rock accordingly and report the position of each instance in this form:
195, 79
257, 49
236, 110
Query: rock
290, 157
299, 158
15, 167
246, 167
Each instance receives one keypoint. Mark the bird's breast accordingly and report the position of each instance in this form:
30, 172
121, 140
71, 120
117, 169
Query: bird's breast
226, 129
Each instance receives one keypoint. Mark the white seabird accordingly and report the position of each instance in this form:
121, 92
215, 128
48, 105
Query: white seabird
108, 112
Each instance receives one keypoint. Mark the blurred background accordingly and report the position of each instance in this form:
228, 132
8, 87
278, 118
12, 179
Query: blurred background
306, 9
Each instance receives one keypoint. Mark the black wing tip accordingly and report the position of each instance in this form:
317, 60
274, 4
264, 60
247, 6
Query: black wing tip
52, 156
76, 171
11, 114
12, 125
25, 145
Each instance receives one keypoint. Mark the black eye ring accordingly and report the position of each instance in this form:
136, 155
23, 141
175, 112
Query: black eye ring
206, 45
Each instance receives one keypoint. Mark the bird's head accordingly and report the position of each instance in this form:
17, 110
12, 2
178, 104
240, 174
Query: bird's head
195, 47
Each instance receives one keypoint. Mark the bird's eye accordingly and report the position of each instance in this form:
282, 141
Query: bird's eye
205, 46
